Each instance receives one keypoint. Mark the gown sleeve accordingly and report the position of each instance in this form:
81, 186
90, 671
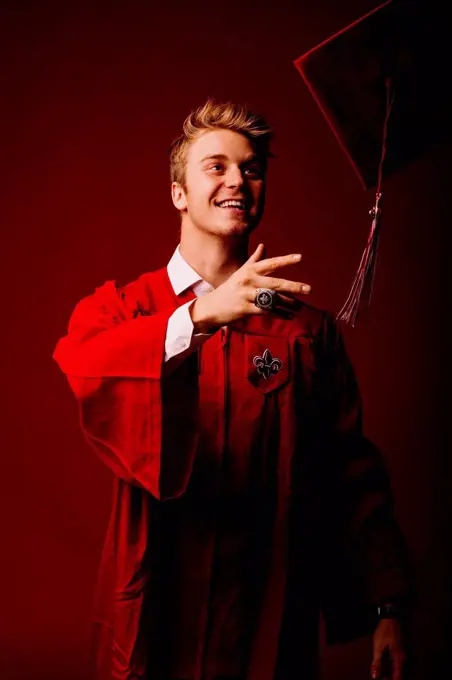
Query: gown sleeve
113, 363
373, 555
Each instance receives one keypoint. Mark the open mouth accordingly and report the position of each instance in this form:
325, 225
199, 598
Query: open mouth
238, 205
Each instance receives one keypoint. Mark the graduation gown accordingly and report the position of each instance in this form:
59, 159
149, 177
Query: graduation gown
257, 437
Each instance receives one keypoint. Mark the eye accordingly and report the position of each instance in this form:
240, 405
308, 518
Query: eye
215, 168
253, 171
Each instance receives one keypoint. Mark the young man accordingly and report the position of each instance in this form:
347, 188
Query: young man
246, 498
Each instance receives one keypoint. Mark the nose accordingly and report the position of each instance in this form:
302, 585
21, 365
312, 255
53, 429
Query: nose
234, 177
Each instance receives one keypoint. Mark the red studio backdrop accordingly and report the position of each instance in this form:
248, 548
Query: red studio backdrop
90, 99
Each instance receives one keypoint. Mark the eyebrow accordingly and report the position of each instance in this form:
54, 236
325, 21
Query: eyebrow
223, 157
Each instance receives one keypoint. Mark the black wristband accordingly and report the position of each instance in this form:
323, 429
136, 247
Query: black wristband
389, 610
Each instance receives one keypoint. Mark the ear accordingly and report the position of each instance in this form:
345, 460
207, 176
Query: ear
178, 196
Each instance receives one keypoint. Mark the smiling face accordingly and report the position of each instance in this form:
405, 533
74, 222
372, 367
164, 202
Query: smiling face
224, 191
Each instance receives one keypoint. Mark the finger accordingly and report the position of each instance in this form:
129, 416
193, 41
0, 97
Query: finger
281, 313
397, 667
375, 669
397, 671
288, 302
288, 299
254, 310
282, 309
257, 255
272, 263
283, 285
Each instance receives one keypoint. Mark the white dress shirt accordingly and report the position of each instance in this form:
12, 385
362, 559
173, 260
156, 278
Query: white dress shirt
180, 339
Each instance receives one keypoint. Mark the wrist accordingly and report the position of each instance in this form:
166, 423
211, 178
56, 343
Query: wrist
202, 318
389, 610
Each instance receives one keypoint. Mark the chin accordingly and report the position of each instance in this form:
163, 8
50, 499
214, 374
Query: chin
224, 229
238, 226
237, 229
227, 227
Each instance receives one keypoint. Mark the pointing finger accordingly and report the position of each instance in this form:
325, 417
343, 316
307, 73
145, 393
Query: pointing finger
283, 285
273, 263
257, 255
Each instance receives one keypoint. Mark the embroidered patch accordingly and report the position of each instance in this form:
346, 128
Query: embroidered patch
267, 365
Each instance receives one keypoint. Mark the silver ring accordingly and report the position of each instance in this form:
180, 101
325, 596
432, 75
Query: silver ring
265, 298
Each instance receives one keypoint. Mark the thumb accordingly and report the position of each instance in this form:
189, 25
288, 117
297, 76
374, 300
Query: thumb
257, 255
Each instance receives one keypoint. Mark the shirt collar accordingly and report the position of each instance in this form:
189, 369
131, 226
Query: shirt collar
182, 276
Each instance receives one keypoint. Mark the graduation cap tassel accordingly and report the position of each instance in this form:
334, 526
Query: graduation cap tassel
361, 291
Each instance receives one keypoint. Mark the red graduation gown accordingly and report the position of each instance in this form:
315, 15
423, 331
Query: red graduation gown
260, 428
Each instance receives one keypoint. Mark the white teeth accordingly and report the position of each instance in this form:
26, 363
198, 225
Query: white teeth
231, 204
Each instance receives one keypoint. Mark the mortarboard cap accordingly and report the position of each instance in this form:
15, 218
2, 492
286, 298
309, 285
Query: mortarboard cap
382, 85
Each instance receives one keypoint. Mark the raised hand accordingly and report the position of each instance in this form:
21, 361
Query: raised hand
234, 299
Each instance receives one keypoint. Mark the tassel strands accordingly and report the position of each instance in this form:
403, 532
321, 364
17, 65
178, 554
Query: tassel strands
361, 291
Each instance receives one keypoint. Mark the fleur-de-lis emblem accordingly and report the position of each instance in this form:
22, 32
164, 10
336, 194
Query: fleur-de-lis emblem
266, 365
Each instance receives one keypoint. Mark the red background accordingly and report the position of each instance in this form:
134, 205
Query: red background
90, 99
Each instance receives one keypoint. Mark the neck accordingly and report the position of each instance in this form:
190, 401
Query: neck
213, 257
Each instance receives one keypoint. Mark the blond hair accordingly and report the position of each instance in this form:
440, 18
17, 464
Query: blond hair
215, 115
